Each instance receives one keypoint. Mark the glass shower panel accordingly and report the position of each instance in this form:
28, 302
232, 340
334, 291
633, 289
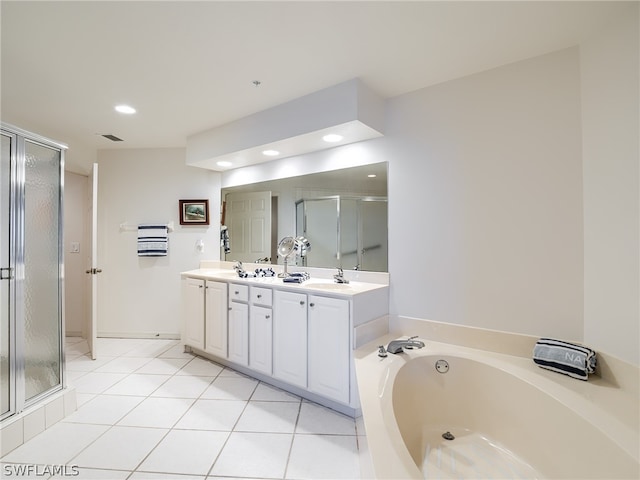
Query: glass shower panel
42, 270
321, 222
5, 329
349, 258
374, 245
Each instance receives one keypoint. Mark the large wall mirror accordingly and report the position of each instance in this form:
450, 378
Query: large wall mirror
342, 213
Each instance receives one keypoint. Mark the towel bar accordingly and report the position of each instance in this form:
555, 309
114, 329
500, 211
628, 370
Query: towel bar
124, 227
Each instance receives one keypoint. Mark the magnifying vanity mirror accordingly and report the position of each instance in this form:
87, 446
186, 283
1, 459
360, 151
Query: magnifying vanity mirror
341, 213
286, 249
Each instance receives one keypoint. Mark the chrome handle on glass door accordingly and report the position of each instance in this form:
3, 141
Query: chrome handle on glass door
6, 273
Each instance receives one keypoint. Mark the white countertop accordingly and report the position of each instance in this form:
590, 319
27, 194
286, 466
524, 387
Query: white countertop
312, 285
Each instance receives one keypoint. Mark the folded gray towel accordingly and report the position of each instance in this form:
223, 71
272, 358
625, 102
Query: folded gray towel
574, 360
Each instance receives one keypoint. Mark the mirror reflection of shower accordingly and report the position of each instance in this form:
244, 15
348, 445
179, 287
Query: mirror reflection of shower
348, 232
257, 222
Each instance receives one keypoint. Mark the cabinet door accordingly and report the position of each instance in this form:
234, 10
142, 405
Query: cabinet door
193, 312
216, 318
260, 339
290, 337
239, 333
329, 347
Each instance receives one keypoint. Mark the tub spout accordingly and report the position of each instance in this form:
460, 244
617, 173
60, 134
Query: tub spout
398, 346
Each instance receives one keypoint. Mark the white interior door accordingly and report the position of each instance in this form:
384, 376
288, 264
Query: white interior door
92, 327
248, 219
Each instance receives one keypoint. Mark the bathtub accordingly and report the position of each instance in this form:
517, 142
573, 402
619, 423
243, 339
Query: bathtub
509, 418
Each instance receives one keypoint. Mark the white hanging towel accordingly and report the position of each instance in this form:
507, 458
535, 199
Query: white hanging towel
153, 240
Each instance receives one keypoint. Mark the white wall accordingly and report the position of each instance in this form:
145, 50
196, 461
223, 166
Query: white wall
610, 102
140, 296
485, 199
75, 264
486, 203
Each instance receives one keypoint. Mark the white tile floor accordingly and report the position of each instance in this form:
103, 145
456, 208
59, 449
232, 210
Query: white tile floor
148, 411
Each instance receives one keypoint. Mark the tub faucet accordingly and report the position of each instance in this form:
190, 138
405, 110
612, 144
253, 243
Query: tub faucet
398, 346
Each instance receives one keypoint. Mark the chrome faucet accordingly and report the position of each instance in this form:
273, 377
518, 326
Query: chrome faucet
339, 277
398, 346
238, 267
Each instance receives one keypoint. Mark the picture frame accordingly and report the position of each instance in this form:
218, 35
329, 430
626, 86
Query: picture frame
194, 212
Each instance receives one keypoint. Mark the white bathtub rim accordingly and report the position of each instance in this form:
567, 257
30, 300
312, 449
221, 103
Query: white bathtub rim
390, 457
379, 383
612, 369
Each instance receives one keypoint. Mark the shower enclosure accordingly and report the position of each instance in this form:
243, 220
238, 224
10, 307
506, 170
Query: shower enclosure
31, 269
349, 232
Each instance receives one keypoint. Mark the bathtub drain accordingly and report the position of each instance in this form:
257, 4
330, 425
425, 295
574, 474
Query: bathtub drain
448, 436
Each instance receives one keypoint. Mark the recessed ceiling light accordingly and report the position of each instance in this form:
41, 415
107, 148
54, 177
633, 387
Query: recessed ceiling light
372, 175
332, 138
270, 153
126, 109
224, 163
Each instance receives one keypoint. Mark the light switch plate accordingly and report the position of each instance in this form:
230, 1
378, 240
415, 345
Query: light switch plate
75, 247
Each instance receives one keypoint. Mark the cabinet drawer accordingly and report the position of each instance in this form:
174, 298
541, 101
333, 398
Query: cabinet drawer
238, 293
261, 296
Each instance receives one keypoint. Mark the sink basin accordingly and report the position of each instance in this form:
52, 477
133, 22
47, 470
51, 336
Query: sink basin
329, 286
223, 273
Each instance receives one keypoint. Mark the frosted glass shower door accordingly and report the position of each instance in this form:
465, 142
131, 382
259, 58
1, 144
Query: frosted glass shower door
31, 269
42, 270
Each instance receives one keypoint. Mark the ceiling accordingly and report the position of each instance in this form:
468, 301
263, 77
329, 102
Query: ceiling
191, 66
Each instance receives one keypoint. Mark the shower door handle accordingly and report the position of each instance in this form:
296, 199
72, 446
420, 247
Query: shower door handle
6, 273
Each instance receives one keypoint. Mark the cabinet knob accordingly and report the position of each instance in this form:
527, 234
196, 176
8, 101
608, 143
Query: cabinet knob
301, 302
259, 295
200, 286
229, 308
267, 316
312, 304
237, 292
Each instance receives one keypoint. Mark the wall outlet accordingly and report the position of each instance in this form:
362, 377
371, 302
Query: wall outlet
75, 247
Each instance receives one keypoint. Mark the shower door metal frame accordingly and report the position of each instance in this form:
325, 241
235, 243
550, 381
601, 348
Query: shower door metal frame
11, 279
360, 249
17, 401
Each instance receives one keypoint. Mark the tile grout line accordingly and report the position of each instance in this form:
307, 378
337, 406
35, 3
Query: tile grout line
116, 422
181, 416
295, 433
293, 437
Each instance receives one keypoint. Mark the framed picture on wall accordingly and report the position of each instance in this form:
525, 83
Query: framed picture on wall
194, 212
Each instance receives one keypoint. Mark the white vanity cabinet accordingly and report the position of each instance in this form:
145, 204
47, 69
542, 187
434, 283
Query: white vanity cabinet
261, 330
296, 337
290, 337
215, 318
311, 343
204, 315
239, 324
193, 312
329, 348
